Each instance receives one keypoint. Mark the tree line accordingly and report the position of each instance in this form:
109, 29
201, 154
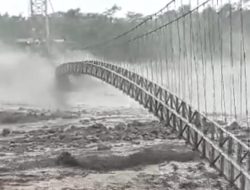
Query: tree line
203, 29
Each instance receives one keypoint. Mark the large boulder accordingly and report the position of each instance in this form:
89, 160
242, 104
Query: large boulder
65, 158
5, 132
234, 126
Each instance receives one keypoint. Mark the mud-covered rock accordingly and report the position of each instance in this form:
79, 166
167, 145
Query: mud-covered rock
69, 128
62, 136
92, 138
12, 144
188, 185
52, 131
175, 167
65, 158
221, 122
102, 146
5, 132
234, 126
135, 123
97, 126
120, 126
130, 137
201, 166
136, 142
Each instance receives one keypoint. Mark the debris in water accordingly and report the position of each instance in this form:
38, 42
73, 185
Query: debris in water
5, 132
102, 146
234, 126
65, 158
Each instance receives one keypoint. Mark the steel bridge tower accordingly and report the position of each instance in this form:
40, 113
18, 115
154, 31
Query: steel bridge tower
40, 31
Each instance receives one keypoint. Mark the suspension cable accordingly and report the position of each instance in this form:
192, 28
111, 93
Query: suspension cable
200, 41
166, 59
223, 98
197, 68
161, 56
191, 57
185, 58
179, 53
51, 6
243, 58
172, 21
211, 48
148, 18
173, 66
232, 61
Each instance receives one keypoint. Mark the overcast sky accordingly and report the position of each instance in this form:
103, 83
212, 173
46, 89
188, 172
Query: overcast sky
16, 7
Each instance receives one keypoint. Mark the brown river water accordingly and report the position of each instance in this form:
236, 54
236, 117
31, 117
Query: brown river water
101, 141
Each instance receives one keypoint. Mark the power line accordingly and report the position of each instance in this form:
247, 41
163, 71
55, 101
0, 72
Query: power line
150, 17
172, 21
51, 6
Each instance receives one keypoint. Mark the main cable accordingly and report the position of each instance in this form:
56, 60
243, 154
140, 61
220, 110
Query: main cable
172, 21
150, 17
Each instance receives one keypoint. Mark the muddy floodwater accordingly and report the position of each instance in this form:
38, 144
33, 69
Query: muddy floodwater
93, 147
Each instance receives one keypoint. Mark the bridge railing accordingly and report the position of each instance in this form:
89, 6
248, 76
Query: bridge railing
223, 150
235, 147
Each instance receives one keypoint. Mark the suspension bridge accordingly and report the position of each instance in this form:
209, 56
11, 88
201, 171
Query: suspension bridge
187, 64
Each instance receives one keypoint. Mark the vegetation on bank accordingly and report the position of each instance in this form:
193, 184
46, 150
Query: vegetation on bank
82, 29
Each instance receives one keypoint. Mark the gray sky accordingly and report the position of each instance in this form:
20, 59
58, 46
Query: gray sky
15, 7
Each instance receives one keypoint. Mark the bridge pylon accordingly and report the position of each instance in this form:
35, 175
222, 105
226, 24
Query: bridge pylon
40, 30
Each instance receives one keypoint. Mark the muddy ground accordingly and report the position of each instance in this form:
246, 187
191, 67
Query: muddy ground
97, 149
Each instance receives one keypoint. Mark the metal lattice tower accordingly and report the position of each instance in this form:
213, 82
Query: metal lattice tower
39, 22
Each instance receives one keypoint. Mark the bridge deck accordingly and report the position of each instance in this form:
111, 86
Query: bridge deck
222, 149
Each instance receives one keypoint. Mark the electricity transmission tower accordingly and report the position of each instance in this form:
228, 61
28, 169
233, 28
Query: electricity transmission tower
40, 31
39, 35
